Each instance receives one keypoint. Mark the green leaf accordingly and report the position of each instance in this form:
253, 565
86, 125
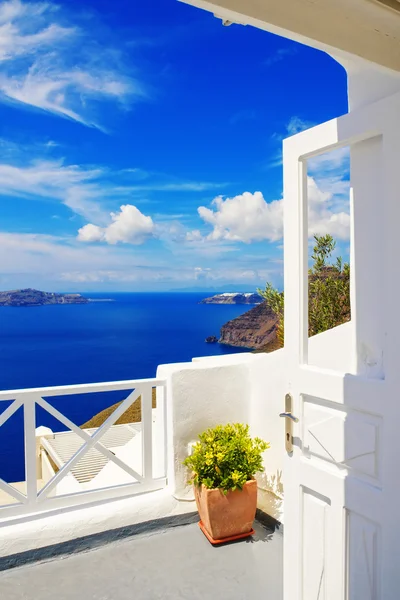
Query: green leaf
328, 291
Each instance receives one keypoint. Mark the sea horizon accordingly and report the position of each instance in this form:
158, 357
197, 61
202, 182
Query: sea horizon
211, 292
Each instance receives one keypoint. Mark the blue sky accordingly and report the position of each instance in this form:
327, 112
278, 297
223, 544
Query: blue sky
141, 147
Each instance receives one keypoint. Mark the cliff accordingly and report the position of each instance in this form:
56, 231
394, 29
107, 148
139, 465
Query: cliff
255, 329
233, 298
132, 415
30, 297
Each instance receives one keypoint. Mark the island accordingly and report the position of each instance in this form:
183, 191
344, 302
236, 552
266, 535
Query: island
31, 297
233, 298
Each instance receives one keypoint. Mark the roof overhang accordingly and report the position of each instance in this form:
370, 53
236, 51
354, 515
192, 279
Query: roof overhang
365, 29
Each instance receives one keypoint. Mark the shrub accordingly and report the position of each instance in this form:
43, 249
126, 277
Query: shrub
226, 457
328, 291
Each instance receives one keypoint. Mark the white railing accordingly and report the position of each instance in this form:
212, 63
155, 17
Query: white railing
49, 498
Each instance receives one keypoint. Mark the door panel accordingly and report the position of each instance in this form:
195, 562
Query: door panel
363, 537
339, 478
315, 538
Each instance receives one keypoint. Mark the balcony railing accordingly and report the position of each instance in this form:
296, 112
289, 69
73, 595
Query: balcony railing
121, 466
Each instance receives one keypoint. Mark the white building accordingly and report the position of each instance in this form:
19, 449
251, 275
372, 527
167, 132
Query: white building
340, 483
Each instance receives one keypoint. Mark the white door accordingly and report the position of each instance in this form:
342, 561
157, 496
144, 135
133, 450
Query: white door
342, 479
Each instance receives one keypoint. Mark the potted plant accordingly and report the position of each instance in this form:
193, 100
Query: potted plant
223, 465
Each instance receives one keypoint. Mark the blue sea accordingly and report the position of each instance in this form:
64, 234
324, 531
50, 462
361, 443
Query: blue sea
125, 338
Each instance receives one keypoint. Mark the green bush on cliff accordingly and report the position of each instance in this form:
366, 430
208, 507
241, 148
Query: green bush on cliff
328, 291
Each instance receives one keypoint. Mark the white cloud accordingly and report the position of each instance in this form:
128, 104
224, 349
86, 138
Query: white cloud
249, 218
13, 43
62, 263
57, 68
41, 255
24, 30
194, 236
279, 55
51, 256
331, 172
231, 274
89, 191
296, 125
128, 226
91, 233
77, 187
179, 186
244, 218
323, 216
336, 162
169, 275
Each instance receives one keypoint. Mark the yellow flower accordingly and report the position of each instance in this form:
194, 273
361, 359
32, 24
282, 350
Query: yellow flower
209, 458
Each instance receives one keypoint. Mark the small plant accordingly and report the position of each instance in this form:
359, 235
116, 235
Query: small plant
226, 457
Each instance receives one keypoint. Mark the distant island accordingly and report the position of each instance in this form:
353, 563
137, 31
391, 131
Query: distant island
31, 297
233, 298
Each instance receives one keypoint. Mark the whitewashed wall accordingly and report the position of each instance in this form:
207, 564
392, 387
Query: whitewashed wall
333, 349
200, 395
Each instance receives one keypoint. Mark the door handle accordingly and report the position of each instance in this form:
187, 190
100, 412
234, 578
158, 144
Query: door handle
289, 420
288, 415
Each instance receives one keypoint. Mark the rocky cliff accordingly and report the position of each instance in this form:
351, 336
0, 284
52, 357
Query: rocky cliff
255, 329
233, 298
30, 297
133, 414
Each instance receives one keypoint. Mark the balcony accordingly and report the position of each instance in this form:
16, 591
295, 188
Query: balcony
99, 499
118, 491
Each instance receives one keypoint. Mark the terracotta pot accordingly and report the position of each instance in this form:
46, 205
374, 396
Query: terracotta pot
227, 515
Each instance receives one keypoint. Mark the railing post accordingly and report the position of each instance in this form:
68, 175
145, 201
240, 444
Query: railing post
147, 431
160, 434
30, 448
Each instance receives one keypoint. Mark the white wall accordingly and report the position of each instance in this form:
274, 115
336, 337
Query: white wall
47, 470
200, 395
269, 386
333, 349
366, 82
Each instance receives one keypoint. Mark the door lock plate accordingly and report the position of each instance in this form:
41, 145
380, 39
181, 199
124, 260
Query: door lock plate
289, 420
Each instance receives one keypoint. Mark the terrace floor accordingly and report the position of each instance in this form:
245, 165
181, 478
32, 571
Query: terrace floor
177, 563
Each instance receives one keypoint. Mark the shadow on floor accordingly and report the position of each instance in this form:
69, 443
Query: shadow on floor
177, 562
